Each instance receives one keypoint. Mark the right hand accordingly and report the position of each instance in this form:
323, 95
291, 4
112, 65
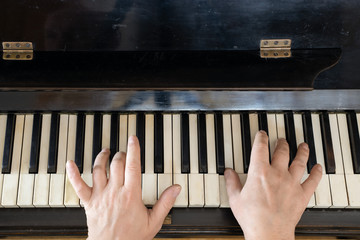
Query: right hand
271, 203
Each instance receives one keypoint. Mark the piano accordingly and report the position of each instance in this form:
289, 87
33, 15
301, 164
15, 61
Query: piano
194, 80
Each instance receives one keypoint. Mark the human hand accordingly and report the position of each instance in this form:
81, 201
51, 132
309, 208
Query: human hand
114, 207
272, 201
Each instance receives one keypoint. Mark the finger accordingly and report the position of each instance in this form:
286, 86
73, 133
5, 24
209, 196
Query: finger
260, 151
312, 181
99, 169
298, 166
281, 156
117, 168
83, 191
233, 184
164, 204
132, 165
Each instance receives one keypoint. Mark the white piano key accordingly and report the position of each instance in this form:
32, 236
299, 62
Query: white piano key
193, 142
271, 119
311, 202
345, 144
42, 178
176, 144
26, 180
280, 124
228, 151
168, 155
149, 143
254, 126
3, 120
182, 198
123, 133
339, 167
10, 181
149, 189
57, 180
237, 143
212, 190
178, 178
353, 189
131, 125
322, 193
338, 191
149, 184
70, 197
106, 132
165, 179
210, 144
196, 180
196, 190
337, 181
224, 199
352, 180
88, 147
299, 133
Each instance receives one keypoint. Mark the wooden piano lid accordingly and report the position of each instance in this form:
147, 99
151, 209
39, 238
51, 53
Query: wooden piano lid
229, 32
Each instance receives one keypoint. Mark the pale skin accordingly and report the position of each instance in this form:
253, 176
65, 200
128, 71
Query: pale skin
268, 206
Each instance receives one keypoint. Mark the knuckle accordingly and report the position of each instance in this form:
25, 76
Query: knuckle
299, 164
98, 169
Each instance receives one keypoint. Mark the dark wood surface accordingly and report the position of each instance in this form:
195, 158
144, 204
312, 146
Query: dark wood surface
185, 222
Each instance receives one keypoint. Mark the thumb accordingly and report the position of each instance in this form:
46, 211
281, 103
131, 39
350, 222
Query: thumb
164, 204
233, 184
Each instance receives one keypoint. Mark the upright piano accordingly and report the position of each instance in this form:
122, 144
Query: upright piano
194, 80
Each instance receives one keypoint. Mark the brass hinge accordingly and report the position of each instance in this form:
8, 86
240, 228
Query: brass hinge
275, 48
18, 50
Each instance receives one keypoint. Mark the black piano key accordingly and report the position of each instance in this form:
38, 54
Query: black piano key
246, 139
219, 144
263, 125
327, 143
35, 144
158, 143
79, 144
53, 143
97, 136
309, 139
140, 133
290, 134
185, 143
354, 140
202, 143
114, 135
8, 144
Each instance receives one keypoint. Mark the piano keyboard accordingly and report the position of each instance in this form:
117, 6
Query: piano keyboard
190, 149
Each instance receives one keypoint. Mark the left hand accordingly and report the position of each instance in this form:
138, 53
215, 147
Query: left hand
114, 207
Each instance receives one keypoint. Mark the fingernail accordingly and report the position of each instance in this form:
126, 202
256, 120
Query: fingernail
177, 190
227, 173
319, 168
104, 150
262, 132
305, 146
131, 140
